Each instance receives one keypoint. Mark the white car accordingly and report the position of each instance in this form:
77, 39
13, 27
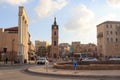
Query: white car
114, 59
41, 60
89, 59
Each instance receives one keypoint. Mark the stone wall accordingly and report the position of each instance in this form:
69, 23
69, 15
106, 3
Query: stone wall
89, 66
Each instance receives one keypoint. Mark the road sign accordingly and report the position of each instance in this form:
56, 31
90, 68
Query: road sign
70, 50
75, 64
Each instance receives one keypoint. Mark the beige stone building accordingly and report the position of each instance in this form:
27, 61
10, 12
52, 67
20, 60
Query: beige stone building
41, 47
108, 38
64, 49
90, 49
9, 40
31, 52
23, 35
16, 39
76, 48
41, 43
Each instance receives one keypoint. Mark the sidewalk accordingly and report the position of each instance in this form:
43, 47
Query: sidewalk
73, 73
9, 64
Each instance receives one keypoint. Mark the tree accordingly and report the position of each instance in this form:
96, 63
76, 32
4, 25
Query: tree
48, 50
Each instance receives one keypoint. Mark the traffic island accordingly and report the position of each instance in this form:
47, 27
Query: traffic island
89, 66
37, 70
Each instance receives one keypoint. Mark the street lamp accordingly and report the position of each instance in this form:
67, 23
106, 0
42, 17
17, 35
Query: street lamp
12, 54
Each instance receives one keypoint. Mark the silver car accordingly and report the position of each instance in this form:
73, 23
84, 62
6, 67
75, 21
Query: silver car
41, 60
89, 59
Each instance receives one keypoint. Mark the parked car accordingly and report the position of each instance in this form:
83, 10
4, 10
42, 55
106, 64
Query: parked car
89, 59
41, 60
114, 59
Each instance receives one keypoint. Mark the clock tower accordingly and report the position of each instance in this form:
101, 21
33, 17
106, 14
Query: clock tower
54, 46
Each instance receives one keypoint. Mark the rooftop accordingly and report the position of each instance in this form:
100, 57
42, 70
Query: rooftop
12, 29
109, 22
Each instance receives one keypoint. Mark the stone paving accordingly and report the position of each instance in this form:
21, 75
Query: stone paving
76, 73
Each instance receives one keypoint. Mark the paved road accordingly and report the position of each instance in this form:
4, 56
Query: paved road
17, 73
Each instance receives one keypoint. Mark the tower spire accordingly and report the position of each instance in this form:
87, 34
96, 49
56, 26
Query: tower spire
55, 23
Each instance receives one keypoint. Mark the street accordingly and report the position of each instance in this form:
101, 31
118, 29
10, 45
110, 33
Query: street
18, 73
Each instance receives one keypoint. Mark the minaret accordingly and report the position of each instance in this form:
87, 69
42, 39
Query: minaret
55, 37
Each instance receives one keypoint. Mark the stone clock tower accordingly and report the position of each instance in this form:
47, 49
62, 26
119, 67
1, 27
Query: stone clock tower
55, 37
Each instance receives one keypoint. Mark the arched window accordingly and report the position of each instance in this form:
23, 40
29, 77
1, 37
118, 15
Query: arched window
55, 33
54, 43
116, 40
106, 26
107, 39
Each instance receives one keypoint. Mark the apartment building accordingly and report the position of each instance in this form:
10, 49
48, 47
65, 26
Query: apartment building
108, 38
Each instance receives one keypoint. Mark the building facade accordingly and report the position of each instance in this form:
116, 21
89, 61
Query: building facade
90, 49
41, 47
23, 35
41, 43
64, 49
9, 40
108, 38
55, 38
31, 53
76, 48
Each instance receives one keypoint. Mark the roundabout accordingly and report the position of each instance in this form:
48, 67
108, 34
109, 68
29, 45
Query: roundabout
96, 65
86, 69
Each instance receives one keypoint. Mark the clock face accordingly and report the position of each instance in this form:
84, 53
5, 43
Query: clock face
55, 27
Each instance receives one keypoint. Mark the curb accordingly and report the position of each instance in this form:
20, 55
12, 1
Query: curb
71, 75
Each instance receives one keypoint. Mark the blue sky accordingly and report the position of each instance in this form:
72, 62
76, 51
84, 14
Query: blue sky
77, 19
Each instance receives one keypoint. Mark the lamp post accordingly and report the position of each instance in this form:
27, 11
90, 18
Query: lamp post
12, 54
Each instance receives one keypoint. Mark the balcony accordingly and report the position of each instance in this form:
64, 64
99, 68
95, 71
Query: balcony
100, 35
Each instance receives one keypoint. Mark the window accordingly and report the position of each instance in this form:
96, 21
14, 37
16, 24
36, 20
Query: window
54, 43
116, 40
111, 32
55, 33
106, 26
107, 32
107, 39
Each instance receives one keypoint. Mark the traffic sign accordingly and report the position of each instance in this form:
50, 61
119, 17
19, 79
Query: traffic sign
75, 64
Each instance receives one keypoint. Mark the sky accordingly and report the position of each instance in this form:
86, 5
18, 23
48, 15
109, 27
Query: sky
77, 19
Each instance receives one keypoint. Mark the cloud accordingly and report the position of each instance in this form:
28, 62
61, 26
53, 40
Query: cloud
82, 24
13, 2
108, 17
82, 20
114, 3
48, 7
